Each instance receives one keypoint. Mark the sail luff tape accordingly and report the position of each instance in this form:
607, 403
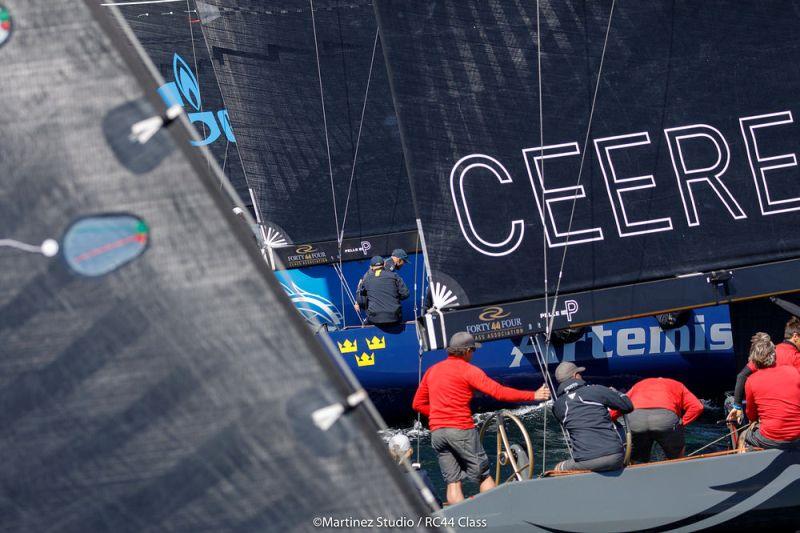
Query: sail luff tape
325, 417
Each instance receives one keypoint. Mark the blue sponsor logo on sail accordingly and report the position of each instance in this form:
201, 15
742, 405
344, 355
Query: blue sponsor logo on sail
185, 92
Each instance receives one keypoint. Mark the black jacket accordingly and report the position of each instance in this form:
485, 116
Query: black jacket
379, 294
583, 411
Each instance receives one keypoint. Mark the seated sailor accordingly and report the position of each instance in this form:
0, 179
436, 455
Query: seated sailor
786, 353
583, 411
773, 398
444, 396
379, 293
662, 408
400, 450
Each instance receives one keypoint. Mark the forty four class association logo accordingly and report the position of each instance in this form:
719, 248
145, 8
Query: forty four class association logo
5, 25
185, 92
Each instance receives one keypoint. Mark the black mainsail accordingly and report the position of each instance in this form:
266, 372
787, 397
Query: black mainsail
154, 375
170, 33
308, 94
617, 157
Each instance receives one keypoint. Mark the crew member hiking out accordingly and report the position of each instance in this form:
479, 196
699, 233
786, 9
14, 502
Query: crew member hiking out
662, 408
444, 395
786, 353
583, 411
379, 293
773, 399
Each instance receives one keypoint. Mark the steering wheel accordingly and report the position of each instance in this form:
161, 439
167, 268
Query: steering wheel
510, 454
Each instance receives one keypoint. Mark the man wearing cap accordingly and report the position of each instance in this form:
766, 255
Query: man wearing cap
397, 260
444, 396
583, 411
379, 293
400, 450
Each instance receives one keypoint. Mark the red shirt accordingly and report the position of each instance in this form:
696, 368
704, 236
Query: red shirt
786, 353
773, 398
664, 393
446, 390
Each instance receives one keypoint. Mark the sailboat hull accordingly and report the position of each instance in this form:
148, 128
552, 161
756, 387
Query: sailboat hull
741, 490
387, 361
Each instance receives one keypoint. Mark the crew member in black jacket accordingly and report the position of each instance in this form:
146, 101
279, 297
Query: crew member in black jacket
379, 294
583, 410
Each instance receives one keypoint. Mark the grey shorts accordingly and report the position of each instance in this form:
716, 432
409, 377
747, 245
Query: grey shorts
755, 438
598, 464
461, 454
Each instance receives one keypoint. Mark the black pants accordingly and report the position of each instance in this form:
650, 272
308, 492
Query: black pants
655, 425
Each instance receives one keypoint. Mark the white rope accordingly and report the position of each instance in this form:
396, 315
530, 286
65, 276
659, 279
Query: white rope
324, 117
551, 317
346, 290
541, 359
358, 139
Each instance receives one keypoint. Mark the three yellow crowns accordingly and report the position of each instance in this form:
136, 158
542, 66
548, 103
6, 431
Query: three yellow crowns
366, 359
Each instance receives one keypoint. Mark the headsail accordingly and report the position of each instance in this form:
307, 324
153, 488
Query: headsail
621, 144
170, 33
307, 89
154, 375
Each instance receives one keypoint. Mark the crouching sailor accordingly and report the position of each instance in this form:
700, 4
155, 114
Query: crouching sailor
663, 408
773, 399
583, 411
444, 395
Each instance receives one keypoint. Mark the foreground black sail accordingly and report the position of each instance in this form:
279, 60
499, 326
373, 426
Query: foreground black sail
170, 34
308, 95
623, 145
154, 376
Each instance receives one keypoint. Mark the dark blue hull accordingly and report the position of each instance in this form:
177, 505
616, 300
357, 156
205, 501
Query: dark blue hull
387, 361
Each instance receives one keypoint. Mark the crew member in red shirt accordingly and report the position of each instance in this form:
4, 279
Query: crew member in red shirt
786, 353
773, 398
662, 407
444, 395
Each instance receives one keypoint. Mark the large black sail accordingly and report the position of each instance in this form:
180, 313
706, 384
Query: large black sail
154, 375
296, 86
170, 33
666, 146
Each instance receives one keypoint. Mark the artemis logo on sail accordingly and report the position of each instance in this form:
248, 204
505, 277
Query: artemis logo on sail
699, 154
185, 92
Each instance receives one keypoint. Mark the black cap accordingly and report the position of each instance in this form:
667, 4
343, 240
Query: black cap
376, 260
400, 253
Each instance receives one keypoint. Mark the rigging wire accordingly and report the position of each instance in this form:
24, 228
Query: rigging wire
544, 228
358, 138
324, 119
551, 316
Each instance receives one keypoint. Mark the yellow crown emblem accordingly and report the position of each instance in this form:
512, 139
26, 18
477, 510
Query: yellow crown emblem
348, 346
365, 359
376, 344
